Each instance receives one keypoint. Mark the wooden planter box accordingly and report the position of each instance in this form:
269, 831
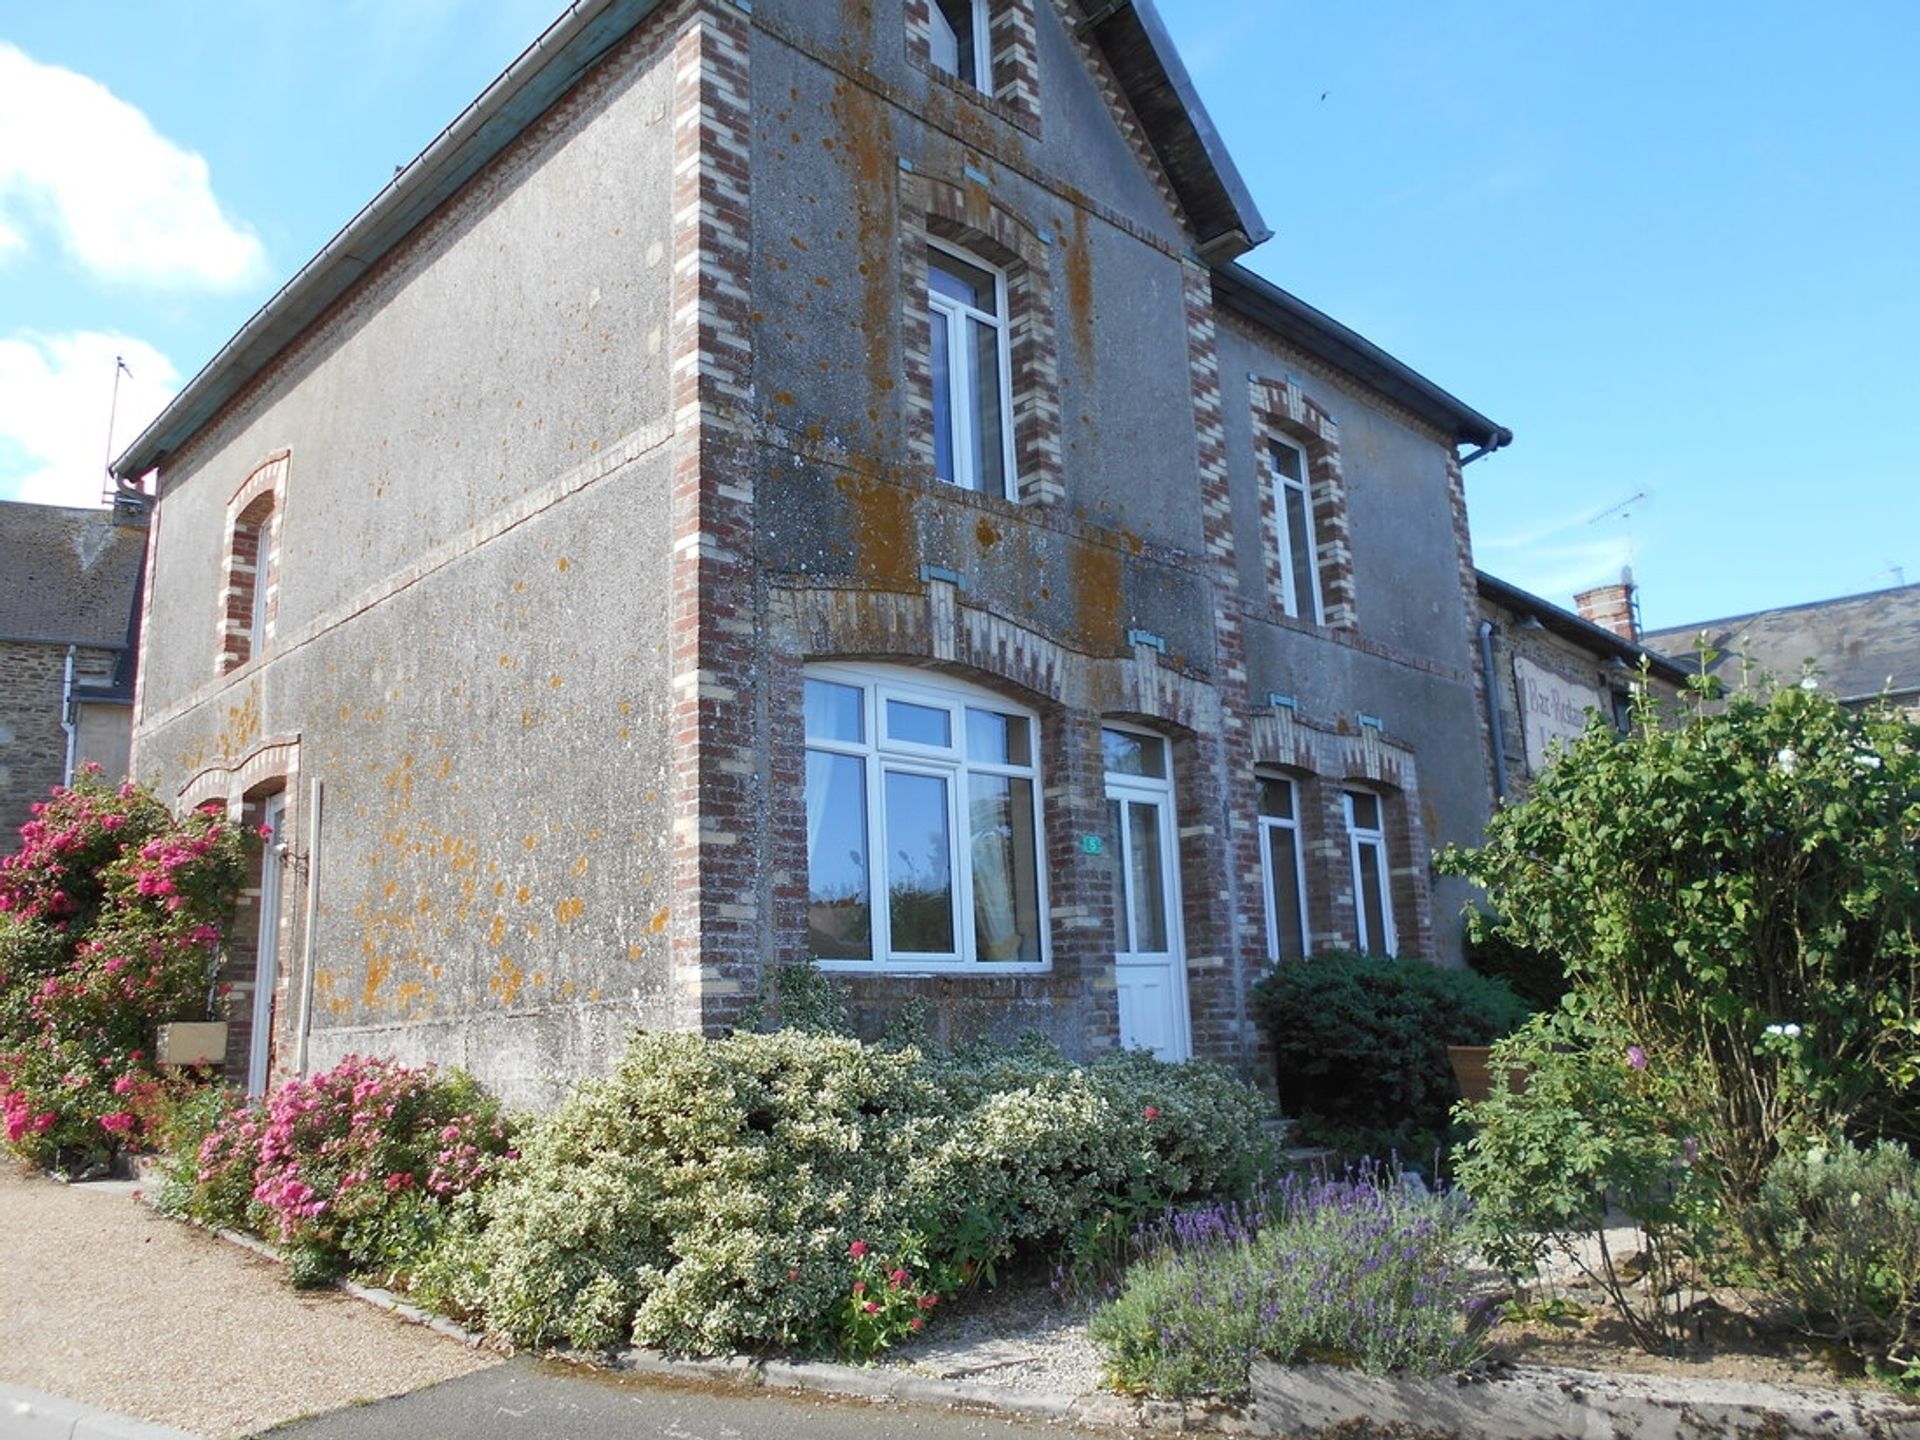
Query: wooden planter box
1470, 1072
192, 1042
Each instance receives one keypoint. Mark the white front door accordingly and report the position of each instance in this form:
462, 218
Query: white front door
1149, 958
266, 970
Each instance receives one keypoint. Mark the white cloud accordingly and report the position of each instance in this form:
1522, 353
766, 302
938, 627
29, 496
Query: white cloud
1556, 572
55, 395
125, 201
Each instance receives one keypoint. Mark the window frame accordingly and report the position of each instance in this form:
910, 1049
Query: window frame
1283, 486
966, 464
1373, 838
1293, 826
881, 756
982, 45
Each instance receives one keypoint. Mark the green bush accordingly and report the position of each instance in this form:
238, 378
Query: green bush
1539, 979
1600, 1121
711, 1194
1722, 885
1840, 1229
1364, 1271
1360, 1046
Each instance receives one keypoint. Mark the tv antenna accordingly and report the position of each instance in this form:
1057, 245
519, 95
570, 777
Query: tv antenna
112, 487
1624, 509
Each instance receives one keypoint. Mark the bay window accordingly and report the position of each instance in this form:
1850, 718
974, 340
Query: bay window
924, 846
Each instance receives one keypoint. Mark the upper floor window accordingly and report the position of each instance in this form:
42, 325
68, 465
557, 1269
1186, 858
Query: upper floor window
1293, 522
972, 373
1283, 868
924, 844
959, 43
244, 626
1372, 873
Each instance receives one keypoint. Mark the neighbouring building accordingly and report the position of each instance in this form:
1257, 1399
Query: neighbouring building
812, 482
1863, 648
69, 586
1548, 670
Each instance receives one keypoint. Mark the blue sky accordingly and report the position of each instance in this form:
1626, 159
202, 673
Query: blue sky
1672, 247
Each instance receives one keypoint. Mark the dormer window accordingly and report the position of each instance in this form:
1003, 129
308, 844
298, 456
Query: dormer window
958, 42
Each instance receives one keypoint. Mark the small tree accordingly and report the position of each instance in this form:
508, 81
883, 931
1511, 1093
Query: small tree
1739, 888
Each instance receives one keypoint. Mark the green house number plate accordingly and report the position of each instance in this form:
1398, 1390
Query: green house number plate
1092, 845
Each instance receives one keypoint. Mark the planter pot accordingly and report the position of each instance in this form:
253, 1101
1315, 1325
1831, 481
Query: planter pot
1471, 1074
192, 1042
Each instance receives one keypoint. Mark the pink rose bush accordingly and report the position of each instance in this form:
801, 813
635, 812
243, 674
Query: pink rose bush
350, 1169
112, 915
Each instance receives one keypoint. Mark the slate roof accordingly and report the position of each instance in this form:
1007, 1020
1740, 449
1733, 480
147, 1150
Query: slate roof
1581, 631
1862, 644
67, 577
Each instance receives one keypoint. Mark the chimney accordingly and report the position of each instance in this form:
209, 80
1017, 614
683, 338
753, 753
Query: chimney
1612, 607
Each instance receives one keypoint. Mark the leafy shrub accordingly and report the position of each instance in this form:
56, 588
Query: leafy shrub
351, 1169
111, 918
1600, 1120
1360, 1045
707, 1196
1840, 1226
1365, 1271
1708, 884
1538, 979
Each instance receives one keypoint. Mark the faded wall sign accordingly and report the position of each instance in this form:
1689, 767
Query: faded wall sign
1552, 708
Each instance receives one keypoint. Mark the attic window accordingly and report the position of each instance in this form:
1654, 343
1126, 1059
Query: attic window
958, 42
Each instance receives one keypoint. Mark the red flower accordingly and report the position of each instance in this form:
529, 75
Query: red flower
872, 1307
915, 1323
859, 1287
857, 1249
1152, 1112
793, 1274
928, 1301
898, 1278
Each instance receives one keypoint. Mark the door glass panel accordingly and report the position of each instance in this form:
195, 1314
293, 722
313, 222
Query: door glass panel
1117, 870
919, 724
1130, 754
999, 739
1147, 878
839, 918
920, 872
835, 712
1371, 897
1006, 872
1283, 868
942, 399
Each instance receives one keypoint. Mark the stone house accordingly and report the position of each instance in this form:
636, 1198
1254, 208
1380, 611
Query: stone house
811, 481
69, 580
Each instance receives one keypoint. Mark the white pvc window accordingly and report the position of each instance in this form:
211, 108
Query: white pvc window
1372, 874
924, 844
959, 42
1283, 869
1293, 519
972, 373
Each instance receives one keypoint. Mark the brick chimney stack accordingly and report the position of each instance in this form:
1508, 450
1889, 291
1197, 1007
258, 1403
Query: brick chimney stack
1611, 607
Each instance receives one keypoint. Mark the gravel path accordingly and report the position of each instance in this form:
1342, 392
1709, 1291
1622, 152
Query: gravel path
104, 1302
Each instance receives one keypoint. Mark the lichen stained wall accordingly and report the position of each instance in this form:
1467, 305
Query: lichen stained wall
472, 602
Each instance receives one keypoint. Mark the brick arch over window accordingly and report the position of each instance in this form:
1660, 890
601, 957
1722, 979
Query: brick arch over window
1281, 408
962, 217
1013, 47
249, 599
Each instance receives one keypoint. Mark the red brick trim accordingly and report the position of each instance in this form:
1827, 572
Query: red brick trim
251, 560
1014, 94
965, 215
716, 921
1280, 407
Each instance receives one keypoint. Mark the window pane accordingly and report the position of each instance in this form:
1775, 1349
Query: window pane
999, 739
839, 920
1286, 461
1370, 895
1300, 544
1130, 754
919, 864
1276, 797
1148, 878
942, 44
988, 418
835, 712
919, 724
1117, 870
1006, 874
942, 398
953, 25
1363, 809
1283, 870
969, 284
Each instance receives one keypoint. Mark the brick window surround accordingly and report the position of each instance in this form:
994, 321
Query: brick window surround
250, 564
1013, 49
963, 218
1281, 409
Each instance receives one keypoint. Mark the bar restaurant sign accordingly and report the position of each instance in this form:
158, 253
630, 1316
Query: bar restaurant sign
1552, 708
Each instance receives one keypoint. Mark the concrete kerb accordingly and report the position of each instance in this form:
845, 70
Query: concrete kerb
28, 1415
1520, 1403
